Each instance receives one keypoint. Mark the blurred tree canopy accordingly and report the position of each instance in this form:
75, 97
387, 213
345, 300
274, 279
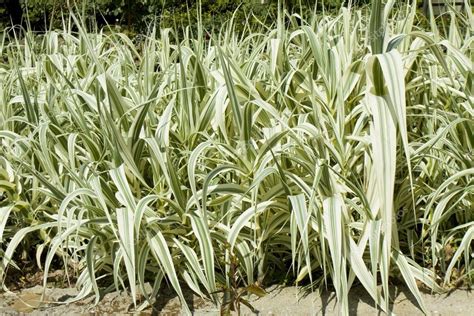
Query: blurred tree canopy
43, 14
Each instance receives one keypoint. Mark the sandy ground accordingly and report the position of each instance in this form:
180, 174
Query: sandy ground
278, 301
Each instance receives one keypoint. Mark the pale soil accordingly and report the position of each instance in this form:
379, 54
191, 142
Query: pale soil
279, 301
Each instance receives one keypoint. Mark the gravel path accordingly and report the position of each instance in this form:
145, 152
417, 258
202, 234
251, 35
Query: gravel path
279, 301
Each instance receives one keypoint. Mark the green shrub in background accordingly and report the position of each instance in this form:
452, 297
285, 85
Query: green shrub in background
45, 13
135, 14
39, 11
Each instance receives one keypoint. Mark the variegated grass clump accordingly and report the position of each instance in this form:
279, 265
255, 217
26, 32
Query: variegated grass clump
333, 150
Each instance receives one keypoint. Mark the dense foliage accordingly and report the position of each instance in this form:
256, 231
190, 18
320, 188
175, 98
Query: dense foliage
324, 150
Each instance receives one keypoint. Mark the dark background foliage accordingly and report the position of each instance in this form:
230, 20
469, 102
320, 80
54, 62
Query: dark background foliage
134, 14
